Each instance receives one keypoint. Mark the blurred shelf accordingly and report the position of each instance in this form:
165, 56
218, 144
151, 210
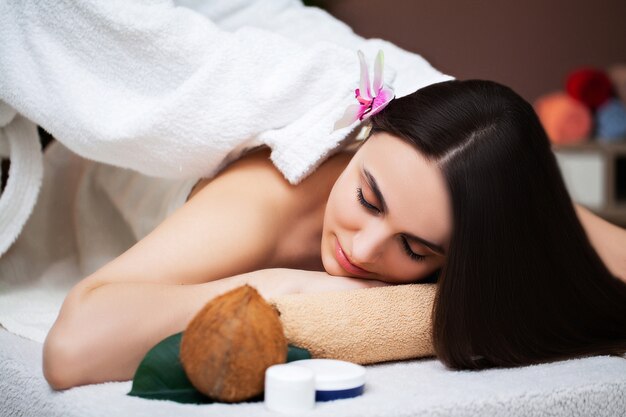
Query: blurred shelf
595, 176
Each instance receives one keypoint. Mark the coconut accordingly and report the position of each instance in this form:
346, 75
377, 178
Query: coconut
227, 347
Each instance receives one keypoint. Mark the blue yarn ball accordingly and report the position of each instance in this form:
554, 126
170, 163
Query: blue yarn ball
611, 121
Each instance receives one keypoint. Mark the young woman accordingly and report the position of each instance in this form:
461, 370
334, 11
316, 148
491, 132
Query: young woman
456, 184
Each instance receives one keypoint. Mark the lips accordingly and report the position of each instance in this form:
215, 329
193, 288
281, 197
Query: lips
343, 261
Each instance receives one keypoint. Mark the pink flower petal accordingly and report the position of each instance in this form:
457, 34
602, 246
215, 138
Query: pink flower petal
351, 115
378, 70
364, 84
368, 104
385, 95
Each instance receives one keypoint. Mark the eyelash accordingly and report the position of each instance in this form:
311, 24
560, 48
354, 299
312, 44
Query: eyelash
374, 209
407, 249
364, 202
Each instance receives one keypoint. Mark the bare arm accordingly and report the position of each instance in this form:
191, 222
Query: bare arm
111, 318
607, 239
102, 334
222, 238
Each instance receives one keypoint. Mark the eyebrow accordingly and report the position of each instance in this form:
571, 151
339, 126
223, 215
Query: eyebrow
379, 195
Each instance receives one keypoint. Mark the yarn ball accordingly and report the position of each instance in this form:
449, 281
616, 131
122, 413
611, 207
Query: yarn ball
617, 74
564, 119
611, 121
589, 86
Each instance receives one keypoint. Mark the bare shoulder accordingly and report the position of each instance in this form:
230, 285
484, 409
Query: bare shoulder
258, 171
254, 171
229, 227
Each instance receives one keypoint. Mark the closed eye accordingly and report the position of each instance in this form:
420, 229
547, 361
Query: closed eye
404, 243
365, 203
407, 249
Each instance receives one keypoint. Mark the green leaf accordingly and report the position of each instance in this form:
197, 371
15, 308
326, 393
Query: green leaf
161, 376
295, 354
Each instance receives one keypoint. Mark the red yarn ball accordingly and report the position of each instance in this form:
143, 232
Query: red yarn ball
590, 86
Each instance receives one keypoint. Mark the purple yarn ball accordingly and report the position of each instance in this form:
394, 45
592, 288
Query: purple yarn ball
611, 121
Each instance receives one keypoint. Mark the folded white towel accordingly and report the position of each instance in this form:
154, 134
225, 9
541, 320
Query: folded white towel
19, 140
165, 91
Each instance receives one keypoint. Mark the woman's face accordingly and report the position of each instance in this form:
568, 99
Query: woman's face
388, 216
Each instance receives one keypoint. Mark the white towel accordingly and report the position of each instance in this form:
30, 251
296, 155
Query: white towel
165, 91
593, 386
19, 140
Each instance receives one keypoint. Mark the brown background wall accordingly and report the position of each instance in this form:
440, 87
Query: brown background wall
529, 45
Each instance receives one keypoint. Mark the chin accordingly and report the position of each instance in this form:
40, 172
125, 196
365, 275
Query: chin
334, 272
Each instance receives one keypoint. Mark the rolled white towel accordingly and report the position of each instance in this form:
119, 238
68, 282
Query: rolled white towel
19, 140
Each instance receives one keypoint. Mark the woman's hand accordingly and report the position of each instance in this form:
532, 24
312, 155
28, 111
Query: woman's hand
288, 281
323, 282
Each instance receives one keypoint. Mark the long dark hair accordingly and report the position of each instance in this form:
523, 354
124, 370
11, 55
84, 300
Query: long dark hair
521, 283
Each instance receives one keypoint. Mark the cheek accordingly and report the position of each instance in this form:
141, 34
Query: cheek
410, 273
401, 269
342, 210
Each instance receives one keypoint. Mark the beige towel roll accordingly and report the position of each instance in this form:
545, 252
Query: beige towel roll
363, 326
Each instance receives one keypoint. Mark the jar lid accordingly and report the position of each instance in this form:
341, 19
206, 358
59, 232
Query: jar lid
333, 374
289, 389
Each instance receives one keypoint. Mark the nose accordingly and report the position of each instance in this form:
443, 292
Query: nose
368, 243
